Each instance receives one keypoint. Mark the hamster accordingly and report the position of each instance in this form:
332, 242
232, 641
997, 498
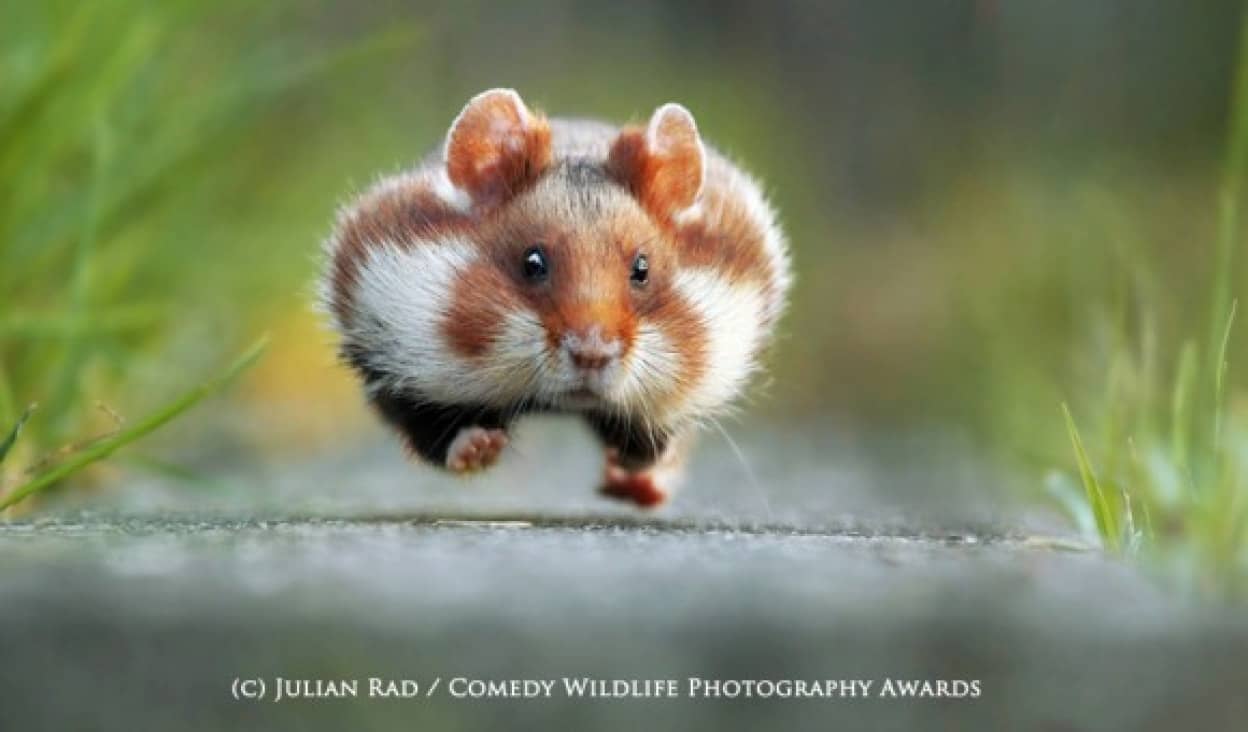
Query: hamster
631, 276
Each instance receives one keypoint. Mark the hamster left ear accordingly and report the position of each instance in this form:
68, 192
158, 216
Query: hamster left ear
496, 146
664, 165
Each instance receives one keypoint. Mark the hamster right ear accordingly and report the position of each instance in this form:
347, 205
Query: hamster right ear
664, 164
495, 146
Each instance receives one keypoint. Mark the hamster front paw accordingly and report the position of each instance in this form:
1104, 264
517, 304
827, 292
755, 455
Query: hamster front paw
638, 487
475, 449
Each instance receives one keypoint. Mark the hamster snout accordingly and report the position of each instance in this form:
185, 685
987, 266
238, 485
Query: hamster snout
589, 351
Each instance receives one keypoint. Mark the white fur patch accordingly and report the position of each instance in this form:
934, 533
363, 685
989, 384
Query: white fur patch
648, 376
399, 302
448, 192
688, 215
400, 307
732, 315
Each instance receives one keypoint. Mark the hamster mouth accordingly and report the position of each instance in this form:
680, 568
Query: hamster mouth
587, 390
582, 397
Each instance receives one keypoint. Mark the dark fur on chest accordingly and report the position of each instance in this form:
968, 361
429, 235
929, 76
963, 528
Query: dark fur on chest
429, 427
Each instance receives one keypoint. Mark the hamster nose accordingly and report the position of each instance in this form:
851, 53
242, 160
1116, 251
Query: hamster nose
590, 352
590, 359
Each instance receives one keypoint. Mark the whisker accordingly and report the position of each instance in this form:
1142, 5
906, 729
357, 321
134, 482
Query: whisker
750, 476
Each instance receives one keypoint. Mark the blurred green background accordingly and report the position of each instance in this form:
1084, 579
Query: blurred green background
995, 207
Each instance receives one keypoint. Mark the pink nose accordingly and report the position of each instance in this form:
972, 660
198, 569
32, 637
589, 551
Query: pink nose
590, 352
590, 359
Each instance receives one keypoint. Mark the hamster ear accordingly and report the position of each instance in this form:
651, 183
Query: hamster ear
664, 164
496, 146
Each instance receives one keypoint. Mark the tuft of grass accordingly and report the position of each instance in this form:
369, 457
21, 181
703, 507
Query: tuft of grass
1179, 496
103, 448
1190, 482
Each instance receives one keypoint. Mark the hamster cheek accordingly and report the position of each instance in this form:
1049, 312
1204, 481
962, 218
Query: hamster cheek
487, 325
649, 372
667, 359
731, 316
401, 290
683, 327
475, 315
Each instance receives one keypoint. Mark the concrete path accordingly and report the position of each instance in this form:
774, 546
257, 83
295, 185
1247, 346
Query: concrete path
826, 563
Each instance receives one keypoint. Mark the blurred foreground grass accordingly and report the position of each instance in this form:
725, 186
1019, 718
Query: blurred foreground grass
1171, 479
134, 139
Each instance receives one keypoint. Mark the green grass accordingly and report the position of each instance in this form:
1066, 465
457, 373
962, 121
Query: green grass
1189, 482
1106, 518
133, 136
15, 432
1177, 500
99, 449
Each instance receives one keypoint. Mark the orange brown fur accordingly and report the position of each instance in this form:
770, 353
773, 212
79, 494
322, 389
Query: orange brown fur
726, 239
681, 325
480, 300
664, 185
402, 214
492, 169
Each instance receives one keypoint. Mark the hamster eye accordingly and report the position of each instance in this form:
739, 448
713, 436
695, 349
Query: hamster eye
535, 266
641, 270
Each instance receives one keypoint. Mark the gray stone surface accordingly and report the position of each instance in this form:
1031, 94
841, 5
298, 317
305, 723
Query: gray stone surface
829, 558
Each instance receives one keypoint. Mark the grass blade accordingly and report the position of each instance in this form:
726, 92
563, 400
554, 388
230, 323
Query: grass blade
1231, 189
104, 448
7, 408
1106, 523
1219, 379
77, 348
1181, 407
15, 433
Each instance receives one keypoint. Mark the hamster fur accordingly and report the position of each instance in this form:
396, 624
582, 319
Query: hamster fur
631, 276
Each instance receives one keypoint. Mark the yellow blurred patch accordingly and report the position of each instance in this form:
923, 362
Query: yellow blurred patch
299, 395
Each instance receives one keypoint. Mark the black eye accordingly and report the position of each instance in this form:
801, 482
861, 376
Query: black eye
535, 266
641, 270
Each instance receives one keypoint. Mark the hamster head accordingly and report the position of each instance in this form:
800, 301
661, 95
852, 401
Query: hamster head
572, 279
524, 278
569, 276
